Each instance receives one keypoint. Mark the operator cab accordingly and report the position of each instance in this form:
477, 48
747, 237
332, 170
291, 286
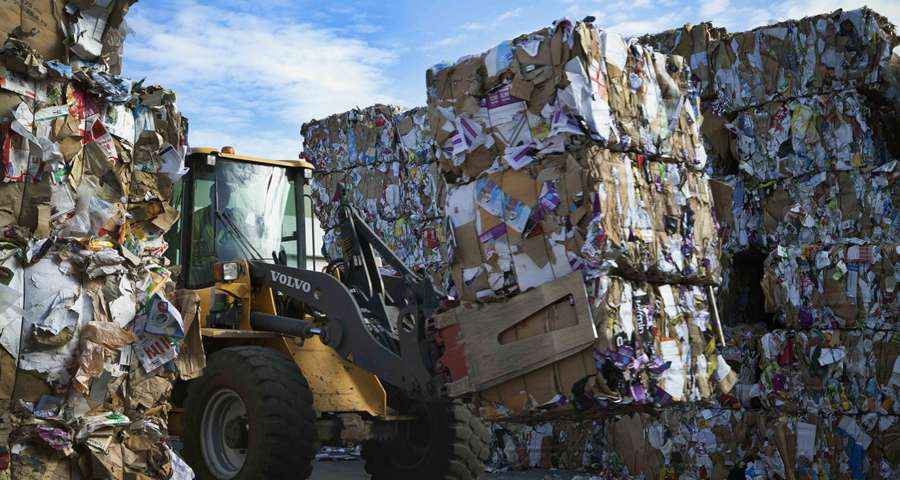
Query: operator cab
234, 206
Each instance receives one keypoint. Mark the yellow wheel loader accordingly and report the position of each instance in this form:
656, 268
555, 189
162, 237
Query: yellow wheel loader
298, 358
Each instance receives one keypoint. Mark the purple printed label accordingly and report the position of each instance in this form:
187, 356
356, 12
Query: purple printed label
641, 360
550, 200
500, 98
637, 392
493, 234
658, 365
626, 350
622, 357
662, 396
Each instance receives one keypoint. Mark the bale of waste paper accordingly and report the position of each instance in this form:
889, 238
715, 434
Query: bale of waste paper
700, 442
841, 131
828, 208
382, 157
93, 332
529, 143
841, 50
840, 286
571, 150
562, 87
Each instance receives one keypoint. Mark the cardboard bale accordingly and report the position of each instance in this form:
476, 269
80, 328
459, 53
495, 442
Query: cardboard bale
828, 208
820, 286
613, 447
844, 131
383, 159
842, 50
89, 161
568, 84
597, 211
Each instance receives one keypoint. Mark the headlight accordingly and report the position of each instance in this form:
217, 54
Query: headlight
226, 271
307, 173
211, 160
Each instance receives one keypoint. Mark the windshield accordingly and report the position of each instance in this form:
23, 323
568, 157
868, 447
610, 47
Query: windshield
238, 213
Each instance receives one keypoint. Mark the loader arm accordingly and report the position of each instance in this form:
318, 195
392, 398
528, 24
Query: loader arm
346, 330
361, 327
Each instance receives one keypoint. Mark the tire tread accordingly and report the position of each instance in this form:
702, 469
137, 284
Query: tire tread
461, 458
282, 394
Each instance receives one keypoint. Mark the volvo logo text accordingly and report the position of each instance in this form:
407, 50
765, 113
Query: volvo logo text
290, 281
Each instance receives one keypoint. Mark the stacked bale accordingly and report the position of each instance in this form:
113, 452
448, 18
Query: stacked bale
383, 159
93, 332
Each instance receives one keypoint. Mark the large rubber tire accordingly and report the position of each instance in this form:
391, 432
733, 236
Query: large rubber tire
278, 407
454, 446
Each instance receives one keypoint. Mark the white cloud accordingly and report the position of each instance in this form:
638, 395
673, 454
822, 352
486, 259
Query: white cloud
708, 10
647, 25
511, 14
473, 26
366, 28
625, 7
446, 42
497, 22
252, 80
267, 145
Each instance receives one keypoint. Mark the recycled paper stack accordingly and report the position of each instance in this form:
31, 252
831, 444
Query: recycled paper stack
842, 50
706, 443
383, 158
569, 150
849, 377
547, 174
800, 119
93, 334
807, 404
802, 116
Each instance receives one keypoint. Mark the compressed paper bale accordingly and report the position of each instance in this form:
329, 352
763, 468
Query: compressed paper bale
85, 156
808, 286
745, 69
826, 208
532, 107
838, 131
383, 159
518, 229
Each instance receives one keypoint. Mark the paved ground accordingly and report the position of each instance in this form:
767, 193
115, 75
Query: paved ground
353, 470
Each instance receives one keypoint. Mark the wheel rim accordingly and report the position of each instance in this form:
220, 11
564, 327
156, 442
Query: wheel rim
221, 438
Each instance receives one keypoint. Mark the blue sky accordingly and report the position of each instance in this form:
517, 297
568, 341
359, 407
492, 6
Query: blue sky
248, 73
